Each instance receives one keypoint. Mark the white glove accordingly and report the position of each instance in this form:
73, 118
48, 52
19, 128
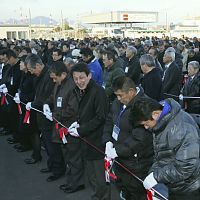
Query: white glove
28, 106
73, 132
46, 108
5, 90
150, 181
48, 115
109, 145
2, 86
16, 98
74, 125
112, 153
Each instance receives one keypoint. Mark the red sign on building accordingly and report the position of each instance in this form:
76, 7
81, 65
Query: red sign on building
125, 17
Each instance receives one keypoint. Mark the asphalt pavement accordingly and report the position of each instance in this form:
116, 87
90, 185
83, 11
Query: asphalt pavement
19, 181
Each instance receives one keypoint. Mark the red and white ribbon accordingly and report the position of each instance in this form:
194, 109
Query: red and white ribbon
108, 167
27, 117
19, 108
63, 132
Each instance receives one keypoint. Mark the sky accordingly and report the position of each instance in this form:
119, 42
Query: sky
170, 11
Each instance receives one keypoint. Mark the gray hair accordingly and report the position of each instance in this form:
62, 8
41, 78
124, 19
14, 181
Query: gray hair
132, 49
170, 49
69, 60
148, 60
170, 54
194, 64
32, 60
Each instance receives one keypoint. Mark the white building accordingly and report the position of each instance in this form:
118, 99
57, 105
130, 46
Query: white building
14, 31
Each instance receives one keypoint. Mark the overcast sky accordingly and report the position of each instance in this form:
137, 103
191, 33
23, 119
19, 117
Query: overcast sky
175, 10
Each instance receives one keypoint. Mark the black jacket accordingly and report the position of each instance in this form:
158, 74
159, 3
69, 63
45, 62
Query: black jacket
152, 83
12, 80
192, 89
134, 145
27, 93
92, 112
44, 88
134, 70
177, 150
171, 81
65, 111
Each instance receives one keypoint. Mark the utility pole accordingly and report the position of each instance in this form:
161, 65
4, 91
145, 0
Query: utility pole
62, 24
30, 34
166, 18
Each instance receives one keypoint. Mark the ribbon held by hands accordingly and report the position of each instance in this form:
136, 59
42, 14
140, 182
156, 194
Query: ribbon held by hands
108, 167
62, 132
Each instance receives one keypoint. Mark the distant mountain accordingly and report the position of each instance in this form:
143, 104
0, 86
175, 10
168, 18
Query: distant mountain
39, 20
43, 20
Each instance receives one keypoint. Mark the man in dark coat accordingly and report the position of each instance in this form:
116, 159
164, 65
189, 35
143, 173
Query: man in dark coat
171, 81
11, 80
64, 108
151, 82
92, 112
176, 147
130, 146
44, 89
192, 88
133, 69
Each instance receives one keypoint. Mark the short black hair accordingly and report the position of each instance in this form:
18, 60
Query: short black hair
10, 53
59, 51
58, 68
123, 83
86, 52
110, 55
142, 110
80, 67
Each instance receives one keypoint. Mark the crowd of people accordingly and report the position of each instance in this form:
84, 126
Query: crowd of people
108, 110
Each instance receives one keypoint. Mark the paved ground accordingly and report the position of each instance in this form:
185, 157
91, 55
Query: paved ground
19, 181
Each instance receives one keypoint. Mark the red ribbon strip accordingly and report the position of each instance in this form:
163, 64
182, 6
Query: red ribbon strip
27, 117
19, 108
57, 126
3, 99
149, 195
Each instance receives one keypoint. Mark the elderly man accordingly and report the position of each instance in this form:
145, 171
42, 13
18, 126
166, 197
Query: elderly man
133, 69
171, 80
192, 88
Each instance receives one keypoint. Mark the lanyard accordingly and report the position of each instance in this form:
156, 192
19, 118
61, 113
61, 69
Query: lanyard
120, 114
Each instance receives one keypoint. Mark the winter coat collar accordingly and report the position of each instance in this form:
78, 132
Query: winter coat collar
165, 119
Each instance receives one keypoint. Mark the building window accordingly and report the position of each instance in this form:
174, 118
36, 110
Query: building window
11, 34
22, 35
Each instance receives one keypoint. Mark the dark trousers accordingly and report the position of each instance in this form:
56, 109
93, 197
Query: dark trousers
36, 144
131, 188
96, 177
55, 156
74, 164
185, 196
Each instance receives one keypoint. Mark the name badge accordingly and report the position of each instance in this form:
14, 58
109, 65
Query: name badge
11, 80
115, 132
59, 102
126, 70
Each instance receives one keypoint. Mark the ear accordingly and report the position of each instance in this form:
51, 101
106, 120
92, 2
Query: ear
64, 74
132, 92
156, 114
89, 75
